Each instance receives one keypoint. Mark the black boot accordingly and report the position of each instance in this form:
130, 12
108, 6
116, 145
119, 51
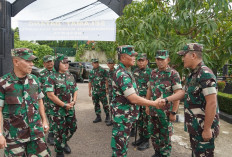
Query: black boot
98, 119
132, 133
157, 154
109, 123
144, 145
107, 118
60, 154
138, 142
50, 139
67, 149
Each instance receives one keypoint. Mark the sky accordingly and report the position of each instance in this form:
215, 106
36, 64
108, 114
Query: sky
49, 9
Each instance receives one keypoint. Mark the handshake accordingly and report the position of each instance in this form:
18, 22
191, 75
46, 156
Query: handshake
159, 103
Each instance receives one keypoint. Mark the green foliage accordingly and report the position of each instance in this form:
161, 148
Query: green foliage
225, 102
153, 24
39, 50
80, 51
221, 85
108, 47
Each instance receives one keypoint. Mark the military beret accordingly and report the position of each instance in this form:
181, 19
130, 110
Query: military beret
127, 49
47, 58
163, 54
190, 47
23, 53
63, 58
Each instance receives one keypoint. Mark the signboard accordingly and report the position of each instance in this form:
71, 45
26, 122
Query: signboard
104, 30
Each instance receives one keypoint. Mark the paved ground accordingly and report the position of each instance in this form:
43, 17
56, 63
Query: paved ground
93, 140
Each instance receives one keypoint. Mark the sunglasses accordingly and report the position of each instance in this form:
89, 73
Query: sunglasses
64, 62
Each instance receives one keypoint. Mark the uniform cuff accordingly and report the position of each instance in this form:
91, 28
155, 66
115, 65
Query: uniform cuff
49, 90
175, 87
2, 103
41, 95
76, 88
129, 92
209, 90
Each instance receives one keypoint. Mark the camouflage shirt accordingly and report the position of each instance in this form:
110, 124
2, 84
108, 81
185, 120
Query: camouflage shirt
124, 85
163, 84
63, 86
200, 83
43, 76
110, 80
19, 99
98, 78
142, 77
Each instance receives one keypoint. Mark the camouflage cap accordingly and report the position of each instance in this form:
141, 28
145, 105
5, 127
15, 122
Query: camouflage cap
190, 47
110, 61
94, 60
142, 56
23, 53
127, 49
163, 54
47, 58
63, 58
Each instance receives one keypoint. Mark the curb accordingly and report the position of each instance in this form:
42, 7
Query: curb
226, 117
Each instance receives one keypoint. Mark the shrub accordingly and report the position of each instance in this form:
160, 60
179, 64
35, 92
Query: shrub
225, 102
221, 85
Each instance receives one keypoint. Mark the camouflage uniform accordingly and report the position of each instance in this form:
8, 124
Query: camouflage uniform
64, 121
23, 129
124, 113
142, 77
98, 78
43, 76
81, 67
162, 84
110, 80
200, 83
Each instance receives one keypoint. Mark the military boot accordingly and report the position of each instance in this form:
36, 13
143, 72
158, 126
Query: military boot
67, 149
107, 118
59, 154
50, 139
144, 145
138, 142
98, 119
157, 154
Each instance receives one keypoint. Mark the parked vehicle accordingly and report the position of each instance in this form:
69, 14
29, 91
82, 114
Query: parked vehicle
74, 68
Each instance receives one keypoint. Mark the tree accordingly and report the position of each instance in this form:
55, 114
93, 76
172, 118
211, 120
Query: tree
155, 24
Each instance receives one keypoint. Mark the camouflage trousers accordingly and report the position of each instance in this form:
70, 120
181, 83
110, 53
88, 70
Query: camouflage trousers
36, 147
143, 123
120, 137
63, 128
98, 97
161, 132
201, 148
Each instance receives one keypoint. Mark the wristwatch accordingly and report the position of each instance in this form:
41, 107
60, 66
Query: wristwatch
173, 113
166, 101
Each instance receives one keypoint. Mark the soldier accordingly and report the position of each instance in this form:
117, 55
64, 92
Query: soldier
22, 109
110, 64
43, 76
142, 75
61, 89
200, 102
98, 83
164, 81
125, 100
